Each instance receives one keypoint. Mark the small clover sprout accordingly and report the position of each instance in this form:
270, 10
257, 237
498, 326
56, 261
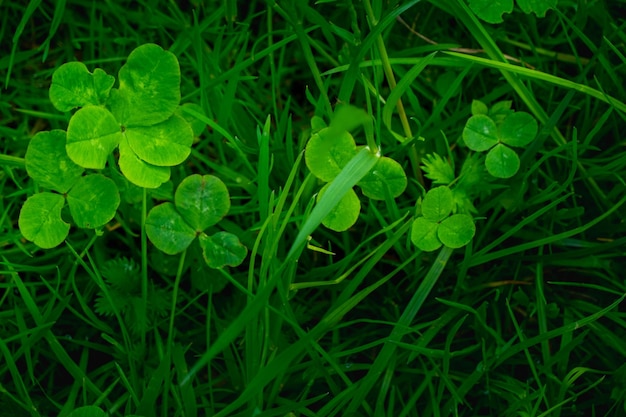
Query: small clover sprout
328, 152
436, 227
496, 132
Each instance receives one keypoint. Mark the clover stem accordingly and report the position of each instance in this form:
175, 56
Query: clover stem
391, 80
144, 264
179, 274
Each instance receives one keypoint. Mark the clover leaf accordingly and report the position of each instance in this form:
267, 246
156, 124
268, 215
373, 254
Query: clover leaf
496, 132
436, 227
480, 133
40, 220
92, 134
149, 85
328, 151
202, 201
48, 164
74, 86
168, 230
344, 214
93, 201
386, 178
437, 204
199, 202
165, 144
222, 249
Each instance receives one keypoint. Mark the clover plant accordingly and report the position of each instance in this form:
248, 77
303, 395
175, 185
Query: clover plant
496, 131
199, 202
141, 125
329, 150
437, 226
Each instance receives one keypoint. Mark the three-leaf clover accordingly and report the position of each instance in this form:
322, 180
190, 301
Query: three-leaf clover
330, 149
199, 203
92, 199
436, 227
483, 133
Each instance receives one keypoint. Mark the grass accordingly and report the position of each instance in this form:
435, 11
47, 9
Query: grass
527, 320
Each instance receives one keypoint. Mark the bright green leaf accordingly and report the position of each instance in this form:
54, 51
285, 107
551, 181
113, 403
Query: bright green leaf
74, 86
478, 107
222, 249
437, 169
540, 7
167, 230
457, 230
424, 234
150, 82
344, 214
93, 201
502, 162
518, 129
438, 203
165, 144
491, 11
202, 200
92, 135
48, 164
40, 220
347, 117
386, 178
327, 153
138, 171
480, 133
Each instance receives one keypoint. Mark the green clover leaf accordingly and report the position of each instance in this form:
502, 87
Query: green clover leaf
518, 129
344, 214
164, 144
138, 171
74, 86
222, 249
437, 204
386, 178
424, 234
328, 151
502, 161
48, 164
456, 231
167, 229
480, 133
93, 201
40, 220
92, 135
202, 200
149, 86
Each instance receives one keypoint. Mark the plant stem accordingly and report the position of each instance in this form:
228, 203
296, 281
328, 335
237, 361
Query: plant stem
144, 265
391, 80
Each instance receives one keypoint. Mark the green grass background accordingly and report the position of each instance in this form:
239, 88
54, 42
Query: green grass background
527, 320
